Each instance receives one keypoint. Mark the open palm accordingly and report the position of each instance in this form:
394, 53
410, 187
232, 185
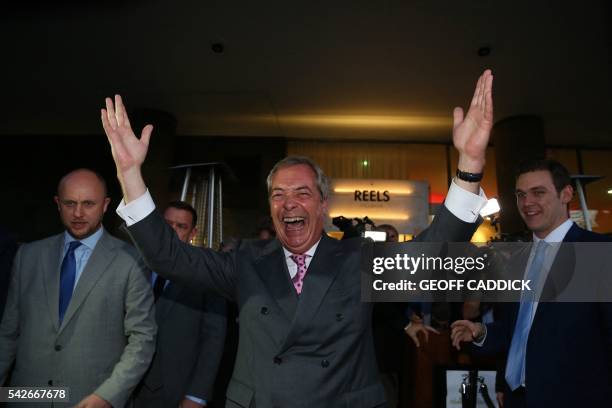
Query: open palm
129, 152
471, 133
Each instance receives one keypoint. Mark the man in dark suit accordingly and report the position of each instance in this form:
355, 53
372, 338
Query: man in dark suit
305, 336
191, 331
79, 312
559, 354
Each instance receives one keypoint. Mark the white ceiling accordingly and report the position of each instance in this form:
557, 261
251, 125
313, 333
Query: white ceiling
335, 69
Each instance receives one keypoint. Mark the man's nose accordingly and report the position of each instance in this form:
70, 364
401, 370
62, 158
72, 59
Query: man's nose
78, 210
289, 203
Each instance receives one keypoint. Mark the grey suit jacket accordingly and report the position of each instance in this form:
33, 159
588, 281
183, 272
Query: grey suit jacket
312, 351
107, 337
191, 332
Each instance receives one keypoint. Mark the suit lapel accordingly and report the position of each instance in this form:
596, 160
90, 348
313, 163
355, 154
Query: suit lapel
272, 269
323, 269
562, 269
561, 272
100, 259
50, 263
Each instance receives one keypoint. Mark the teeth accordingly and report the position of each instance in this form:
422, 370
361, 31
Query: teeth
293, 219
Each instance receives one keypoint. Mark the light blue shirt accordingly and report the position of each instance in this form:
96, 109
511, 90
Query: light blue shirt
83, 252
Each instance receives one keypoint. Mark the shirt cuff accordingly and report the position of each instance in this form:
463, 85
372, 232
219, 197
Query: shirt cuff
464, 205
137, 209
196, 399
484, 337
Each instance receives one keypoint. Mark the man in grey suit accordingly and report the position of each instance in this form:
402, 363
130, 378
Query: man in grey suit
305, 336
79, 312
190, 337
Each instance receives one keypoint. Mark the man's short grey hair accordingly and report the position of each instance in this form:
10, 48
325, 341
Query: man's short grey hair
322, 180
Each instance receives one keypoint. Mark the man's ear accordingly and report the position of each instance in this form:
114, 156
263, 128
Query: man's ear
57, 201
193, 233
566, 195
107, 201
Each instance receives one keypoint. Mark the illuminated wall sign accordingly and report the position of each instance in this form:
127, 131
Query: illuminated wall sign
404, 204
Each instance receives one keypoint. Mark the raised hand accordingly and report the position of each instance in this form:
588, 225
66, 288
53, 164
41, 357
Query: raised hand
471, 133
128, 151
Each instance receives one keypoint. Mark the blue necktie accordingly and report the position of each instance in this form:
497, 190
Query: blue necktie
515, 367
67, 278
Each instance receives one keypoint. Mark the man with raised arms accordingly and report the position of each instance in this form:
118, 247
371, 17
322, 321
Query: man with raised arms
305, 335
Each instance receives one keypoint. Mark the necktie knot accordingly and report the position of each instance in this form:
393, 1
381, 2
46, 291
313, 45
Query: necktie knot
74, 245
300, 261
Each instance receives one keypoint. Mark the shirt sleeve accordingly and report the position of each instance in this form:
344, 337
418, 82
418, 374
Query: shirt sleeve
484, 337
137, 209
196, 399
464, 205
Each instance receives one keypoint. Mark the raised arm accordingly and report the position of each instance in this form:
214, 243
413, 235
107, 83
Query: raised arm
471, 132
129, 152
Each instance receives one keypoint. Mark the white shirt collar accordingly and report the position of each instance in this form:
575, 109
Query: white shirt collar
310, 253
558, 234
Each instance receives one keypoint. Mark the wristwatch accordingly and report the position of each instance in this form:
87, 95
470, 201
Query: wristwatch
469, 177
482, 335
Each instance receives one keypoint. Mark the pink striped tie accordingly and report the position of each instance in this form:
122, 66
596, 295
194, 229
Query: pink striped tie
300, 261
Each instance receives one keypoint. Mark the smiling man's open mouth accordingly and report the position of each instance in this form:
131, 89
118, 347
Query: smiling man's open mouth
293, 223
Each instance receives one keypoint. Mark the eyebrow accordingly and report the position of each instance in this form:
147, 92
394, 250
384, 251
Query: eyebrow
70, 200
518, 190
294, 189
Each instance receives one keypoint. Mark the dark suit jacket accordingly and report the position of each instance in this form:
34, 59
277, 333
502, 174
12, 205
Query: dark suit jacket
569, 350
191, 330
312, 351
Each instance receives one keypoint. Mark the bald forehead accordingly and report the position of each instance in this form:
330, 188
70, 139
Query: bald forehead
81, 177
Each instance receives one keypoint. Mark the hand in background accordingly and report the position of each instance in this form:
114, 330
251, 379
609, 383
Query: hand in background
414, 328
465, 331
93, 401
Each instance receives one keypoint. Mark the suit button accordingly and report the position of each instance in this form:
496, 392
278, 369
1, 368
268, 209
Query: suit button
324, 363
50, 382
277, 360
339, 317
58, 347
264, 310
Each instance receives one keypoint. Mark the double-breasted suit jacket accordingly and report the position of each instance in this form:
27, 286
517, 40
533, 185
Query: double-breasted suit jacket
315, 350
